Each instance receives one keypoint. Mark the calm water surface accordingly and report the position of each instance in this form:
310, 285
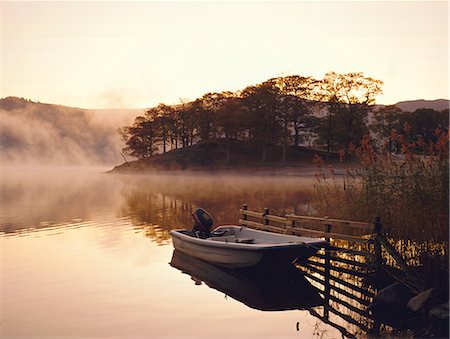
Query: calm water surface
85, 254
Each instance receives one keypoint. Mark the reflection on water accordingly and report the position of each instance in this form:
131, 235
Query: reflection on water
38, 198
284, 289
86, 255
160, 203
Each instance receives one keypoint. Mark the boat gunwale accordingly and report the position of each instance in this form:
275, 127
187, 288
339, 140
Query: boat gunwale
315, 242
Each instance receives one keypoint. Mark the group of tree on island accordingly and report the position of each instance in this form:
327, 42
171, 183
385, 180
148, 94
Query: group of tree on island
331, 113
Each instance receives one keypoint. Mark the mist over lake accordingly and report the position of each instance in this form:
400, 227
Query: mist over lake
87, 254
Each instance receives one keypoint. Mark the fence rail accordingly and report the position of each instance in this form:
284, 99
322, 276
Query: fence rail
301, 225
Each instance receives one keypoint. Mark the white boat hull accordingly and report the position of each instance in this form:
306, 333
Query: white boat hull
244, 247
235, 258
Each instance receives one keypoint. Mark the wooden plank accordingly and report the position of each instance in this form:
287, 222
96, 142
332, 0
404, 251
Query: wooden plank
261, 226
364, 313
253, 224
304, 218
275, 218
325, 220
263, 216
340, 290
338, 269
350, 295
351, 251
342, 260
350, 238
321, 234
349, 319
358, 289
251, 213
275, 229
393, 252
287, 220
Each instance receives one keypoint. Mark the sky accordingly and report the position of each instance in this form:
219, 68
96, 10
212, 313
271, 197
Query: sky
120, 54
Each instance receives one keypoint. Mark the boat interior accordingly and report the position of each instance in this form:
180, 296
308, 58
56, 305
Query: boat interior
244, 235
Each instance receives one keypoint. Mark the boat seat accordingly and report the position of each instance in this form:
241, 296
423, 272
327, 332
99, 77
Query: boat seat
218, 233
226, 238
232, 238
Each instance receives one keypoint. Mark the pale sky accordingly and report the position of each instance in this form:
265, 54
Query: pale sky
138, 54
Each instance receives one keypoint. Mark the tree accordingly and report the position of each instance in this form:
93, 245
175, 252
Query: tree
424, 121
162, 117
140, 138
261, 102
185, 116
348, 97
293, 107
210, 103
277, 112
387, 121
229, 119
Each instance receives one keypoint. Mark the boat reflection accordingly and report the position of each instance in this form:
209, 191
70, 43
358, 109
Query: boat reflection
285, 289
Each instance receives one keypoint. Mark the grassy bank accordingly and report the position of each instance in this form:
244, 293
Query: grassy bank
223, 154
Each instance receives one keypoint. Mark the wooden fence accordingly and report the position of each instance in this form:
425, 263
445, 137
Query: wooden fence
346, 273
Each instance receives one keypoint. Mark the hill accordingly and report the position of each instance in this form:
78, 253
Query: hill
211, 155
412, 105
33, 132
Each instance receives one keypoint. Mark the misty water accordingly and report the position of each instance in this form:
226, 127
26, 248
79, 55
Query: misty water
86, 254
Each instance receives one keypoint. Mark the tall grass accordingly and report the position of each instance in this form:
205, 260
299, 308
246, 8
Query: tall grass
408, 190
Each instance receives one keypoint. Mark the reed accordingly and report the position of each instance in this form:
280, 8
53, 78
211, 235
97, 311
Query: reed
408, 190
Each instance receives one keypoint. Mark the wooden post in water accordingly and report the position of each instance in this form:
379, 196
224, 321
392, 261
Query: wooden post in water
245, 208
378, 263
378, 253
327, 288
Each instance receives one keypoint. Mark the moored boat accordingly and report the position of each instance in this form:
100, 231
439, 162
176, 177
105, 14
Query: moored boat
238, 246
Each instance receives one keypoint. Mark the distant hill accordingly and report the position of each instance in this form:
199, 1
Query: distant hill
46, 134
412, 105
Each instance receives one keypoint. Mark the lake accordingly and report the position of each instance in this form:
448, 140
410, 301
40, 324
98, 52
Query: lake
86, 254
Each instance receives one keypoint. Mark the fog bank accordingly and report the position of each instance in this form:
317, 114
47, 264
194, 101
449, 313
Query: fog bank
44, 134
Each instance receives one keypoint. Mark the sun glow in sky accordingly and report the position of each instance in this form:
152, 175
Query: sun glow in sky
138, 54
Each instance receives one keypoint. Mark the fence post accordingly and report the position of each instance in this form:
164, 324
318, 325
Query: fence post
266, 212
327, 287
290, 225
378, 253
244, 207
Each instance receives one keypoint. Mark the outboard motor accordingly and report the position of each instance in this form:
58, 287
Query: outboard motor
202, 223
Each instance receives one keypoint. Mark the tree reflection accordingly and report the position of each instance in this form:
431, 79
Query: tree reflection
156, 214
158, 204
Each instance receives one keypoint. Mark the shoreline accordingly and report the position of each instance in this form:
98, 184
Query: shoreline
306, 171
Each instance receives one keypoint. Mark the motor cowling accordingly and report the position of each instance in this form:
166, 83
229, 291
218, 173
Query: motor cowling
202, 223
